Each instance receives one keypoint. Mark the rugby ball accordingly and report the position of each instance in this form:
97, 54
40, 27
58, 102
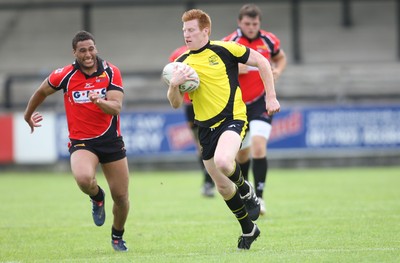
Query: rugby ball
189, 85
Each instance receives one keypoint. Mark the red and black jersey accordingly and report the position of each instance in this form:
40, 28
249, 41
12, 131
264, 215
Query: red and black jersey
85, 119
268, 45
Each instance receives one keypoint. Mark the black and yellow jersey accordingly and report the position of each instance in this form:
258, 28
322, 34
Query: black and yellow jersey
218, 97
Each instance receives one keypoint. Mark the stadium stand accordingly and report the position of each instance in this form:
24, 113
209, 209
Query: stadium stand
336, 61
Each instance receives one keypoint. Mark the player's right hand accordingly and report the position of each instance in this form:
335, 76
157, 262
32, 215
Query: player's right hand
34, 121
181, 75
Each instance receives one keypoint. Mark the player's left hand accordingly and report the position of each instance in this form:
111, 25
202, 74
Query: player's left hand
95, 98
276, 73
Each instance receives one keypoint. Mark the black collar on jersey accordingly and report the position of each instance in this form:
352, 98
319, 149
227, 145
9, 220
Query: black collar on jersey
201, 49
240, 33
98, 72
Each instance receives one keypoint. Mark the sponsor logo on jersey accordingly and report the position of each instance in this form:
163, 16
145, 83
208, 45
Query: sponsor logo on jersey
261, 48
83, 95
89, 86
213, 60
101, 78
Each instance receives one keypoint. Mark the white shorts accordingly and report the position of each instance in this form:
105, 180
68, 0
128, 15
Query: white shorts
256, 128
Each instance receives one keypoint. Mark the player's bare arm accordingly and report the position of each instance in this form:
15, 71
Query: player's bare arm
243, 69
34, 118
265, 70
112, 105
174, 96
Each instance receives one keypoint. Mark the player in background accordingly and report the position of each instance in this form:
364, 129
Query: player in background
208, 184
254, 147
93, 95
220, 112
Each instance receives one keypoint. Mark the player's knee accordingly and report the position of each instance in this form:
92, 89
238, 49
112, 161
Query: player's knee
259, 152
223, 163
242, 158
120, 199
84, 181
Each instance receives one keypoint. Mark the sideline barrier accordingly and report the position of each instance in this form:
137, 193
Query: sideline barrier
303, 132
296, 133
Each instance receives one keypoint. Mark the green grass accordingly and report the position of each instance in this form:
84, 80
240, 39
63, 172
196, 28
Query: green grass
314, 215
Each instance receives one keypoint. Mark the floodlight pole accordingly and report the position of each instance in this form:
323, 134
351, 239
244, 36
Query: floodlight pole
398, 28
346, 13
295, 18
86, 17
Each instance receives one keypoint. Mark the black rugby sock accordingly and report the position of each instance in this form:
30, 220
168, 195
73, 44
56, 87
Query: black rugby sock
116, 234
237, 178
99, 196
245, 169
260, 168
236, 205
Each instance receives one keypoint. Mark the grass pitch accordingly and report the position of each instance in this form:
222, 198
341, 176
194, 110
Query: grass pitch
313, 215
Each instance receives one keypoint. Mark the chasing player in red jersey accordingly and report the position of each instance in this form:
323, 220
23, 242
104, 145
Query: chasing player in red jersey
93, 95
254, 144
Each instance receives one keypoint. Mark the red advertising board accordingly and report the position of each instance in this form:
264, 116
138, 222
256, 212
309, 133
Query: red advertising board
6, 138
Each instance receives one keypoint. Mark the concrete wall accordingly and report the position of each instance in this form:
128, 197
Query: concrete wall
142, 37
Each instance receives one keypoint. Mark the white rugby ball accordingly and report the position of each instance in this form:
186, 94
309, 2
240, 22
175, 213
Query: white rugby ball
189, 85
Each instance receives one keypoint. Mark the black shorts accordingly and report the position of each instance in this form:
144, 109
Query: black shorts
107, 151
209, 136
257, 111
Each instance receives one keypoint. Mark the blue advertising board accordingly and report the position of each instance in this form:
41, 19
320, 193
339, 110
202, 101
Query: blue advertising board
156, 133
336, 127
165, 133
